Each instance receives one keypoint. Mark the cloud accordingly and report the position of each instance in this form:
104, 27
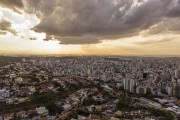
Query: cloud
156, 40
71, 20
5, 26
91, 21
33, 38
166, 26
175, 10
153, 41
16, 5
84, 39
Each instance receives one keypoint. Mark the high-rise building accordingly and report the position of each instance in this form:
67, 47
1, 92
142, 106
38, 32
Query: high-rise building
129, 85
132, 85
176, 90
124, 84
177, 73
169, 90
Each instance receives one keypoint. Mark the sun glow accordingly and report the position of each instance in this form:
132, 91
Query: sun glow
50, 46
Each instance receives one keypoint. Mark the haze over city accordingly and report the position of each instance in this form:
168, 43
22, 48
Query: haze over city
90, 27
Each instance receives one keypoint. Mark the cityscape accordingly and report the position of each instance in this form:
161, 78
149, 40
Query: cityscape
89, 59
90, 88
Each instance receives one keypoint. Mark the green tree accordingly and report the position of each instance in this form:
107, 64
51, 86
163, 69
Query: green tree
53, 109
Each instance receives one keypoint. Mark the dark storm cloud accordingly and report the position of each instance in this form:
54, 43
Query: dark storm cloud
16, 5
91, 21
171, 25
174, 11
85, 39
5, 26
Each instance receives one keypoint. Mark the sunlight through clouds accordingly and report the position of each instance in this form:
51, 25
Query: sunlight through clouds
120, 27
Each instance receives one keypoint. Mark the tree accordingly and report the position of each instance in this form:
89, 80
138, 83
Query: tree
53, 109
122, 104
158, 113
82, 112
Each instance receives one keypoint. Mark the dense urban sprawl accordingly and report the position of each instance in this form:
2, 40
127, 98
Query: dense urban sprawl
90, 88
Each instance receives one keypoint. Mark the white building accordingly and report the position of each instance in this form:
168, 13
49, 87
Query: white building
42, 111
67, 107
32, 89
131, 86
4, 93
169, 90
9, 101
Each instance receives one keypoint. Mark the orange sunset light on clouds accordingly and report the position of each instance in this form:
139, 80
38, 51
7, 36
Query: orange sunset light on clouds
90, 27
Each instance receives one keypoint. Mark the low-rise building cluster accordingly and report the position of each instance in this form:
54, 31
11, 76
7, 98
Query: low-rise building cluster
87, 88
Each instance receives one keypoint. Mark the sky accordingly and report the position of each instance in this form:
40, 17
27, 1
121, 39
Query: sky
90, 27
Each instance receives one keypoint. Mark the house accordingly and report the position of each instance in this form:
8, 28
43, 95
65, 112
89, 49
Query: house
21, 114
1, 117
2, 98
18, 80
9, 101
94, 117
107, 88
98, 108
8, 116
32, 89
50, 86
42, 111
12, 75
90, 108
114, 118
43, 118
4, 93
67, 107
30, 112
59, 103
23, 99
108, 113
118, 114
15, 87
151, 118
81, 117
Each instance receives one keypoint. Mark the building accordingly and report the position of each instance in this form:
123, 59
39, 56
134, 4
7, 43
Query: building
150, 103
177, 73
141, 90
176, 90
9, 101
42, 111
67, 107
149, 90
129, 85
4, 93
132, 85
19, 80
169, 90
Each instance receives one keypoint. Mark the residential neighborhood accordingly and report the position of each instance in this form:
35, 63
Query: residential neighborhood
90, 88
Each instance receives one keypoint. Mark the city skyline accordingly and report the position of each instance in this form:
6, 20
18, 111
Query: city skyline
91, 27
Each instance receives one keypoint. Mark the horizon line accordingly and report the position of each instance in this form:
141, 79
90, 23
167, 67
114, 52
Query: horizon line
78, 55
